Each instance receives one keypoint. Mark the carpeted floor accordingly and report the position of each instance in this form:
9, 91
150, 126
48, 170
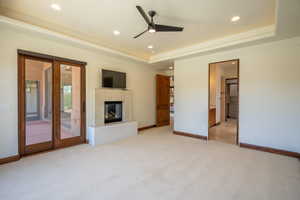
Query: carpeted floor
156, 165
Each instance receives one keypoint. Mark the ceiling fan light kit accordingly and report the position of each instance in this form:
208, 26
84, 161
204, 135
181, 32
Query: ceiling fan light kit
152, 30
152, 27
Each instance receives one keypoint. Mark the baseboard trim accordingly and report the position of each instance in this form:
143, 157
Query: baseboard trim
271, 150
9, 159
190, 135
146, 127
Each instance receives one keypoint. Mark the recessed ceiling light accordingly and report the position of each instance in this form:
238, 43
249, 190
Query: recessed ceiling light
235, 18
150, 47
116, 32
55, 6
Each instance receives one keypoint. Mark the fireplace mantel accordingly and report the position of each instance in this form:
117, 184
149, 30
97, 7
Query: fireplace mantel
106, 94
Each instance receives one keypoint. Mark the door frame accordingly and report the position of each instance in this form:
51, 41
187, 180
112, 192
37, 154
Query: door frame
238, 88
56, 142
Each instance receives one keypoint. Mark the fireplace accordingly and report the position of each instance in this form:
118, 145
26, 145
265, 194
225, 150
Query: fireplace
113, 111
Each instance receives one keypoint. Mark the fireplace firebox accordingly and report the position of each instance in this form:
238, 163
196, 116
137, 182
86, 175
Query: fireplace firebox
113, 111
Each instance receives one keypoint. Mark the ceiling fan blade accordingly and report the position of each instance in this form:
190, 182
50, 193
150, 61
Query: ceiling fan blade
142, 12
164, 28
140, 34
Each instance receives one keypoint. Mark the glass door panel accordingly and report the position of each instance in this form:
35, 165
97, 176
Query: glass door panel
70, 101
38, 84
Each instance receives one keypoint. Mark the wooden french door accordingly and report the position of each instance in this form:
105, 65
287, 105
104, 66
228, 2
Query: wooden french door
162, 100
69, 104
51, 102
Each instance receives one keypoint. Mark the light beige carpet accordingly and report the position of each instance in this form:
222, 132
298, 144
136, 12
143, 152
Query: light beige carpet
155, 165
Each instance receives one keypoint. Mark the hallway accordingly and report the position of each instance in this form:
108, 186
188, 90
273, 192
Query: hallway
225, 132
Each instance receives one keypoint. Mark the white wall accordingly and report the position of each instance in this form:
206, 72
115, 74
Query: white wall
219, 72
213, 85
141, 80
222, 72
269, 93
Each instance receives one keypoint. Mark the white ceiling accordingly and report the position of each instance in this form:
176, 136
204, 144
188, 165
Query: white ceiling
95, 20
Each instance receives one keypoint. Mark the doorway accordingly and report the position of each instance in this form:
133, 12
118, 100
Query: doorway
51, 102
224, 101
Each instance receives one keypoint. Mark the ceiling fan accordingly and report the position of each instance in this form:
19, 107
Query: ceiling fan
152, 27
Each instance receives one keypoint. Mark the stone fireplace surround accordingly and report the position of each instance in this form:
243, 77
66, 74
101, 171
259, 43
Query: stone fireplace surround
101, 133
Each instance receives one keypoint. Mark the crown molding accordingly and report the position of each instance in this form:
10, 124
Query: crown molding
33, 28
230, 41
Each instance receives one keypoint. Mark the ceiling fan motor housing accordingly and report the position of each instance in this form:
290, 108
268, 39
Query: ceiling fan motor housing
152, 13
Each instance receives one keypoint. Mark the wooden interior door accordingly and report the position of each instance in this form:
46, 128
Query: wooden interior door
162, 100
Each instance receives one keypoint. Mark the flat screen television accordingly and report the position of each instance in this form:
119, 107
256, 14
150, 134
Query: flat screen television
112, 79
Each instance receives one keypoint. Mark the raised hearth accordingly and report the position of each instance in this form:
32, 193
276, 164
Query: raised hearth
113, 116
